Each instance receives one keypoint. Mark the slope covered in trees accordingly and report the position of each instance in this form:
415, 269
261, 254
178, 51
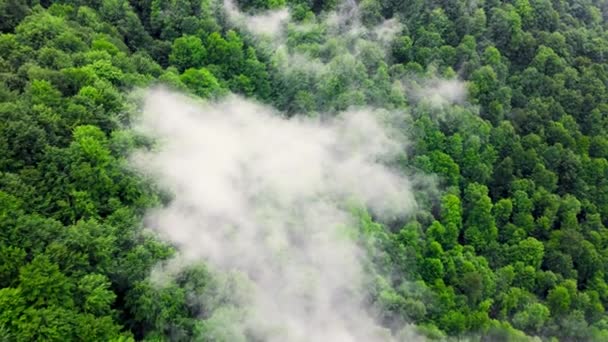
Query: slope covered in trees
512, 245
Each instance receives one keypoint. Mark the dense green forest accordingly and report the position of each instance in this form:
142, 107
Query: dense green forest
512, 246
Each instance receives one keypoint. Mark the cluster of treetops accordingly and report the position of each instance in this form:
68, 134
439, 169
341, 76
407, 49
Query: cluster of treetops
514, 245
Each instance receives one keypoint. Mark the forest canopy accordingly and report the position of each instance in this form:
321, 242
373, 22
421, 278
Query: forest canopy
504, 107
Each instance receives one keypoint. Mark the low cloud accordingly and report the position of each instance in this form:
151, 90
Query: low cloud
269, 23
437, 92
267, 197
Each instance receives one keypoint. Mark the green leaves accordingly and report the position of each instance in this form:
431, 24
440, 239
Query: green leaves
188, 52
94, 294
559, 300
201, 82
515, 236
11, 260
42, 284
480, 227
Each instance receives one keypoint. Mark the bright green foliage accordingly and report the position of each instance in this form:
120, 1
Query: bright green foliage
201, 81
511, 241
187, 52
42, 284
480, 228
559, 300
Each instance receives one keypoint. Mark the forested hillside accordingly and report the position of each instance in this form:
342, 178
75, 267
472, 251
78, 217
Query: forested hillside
507, 108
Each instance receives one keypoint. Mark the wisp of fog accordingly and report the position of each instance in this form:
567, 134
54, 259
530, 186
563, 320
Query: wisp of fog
268, 23
270, 197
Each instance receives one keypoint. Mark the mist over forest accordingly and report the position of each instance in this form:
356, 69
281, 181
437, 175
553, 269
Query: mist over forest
303, 170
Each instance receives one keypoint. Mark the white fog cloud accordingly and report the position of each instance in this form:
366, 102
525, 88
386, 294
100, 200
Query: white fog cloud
437, 92
269, 23
264, 195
